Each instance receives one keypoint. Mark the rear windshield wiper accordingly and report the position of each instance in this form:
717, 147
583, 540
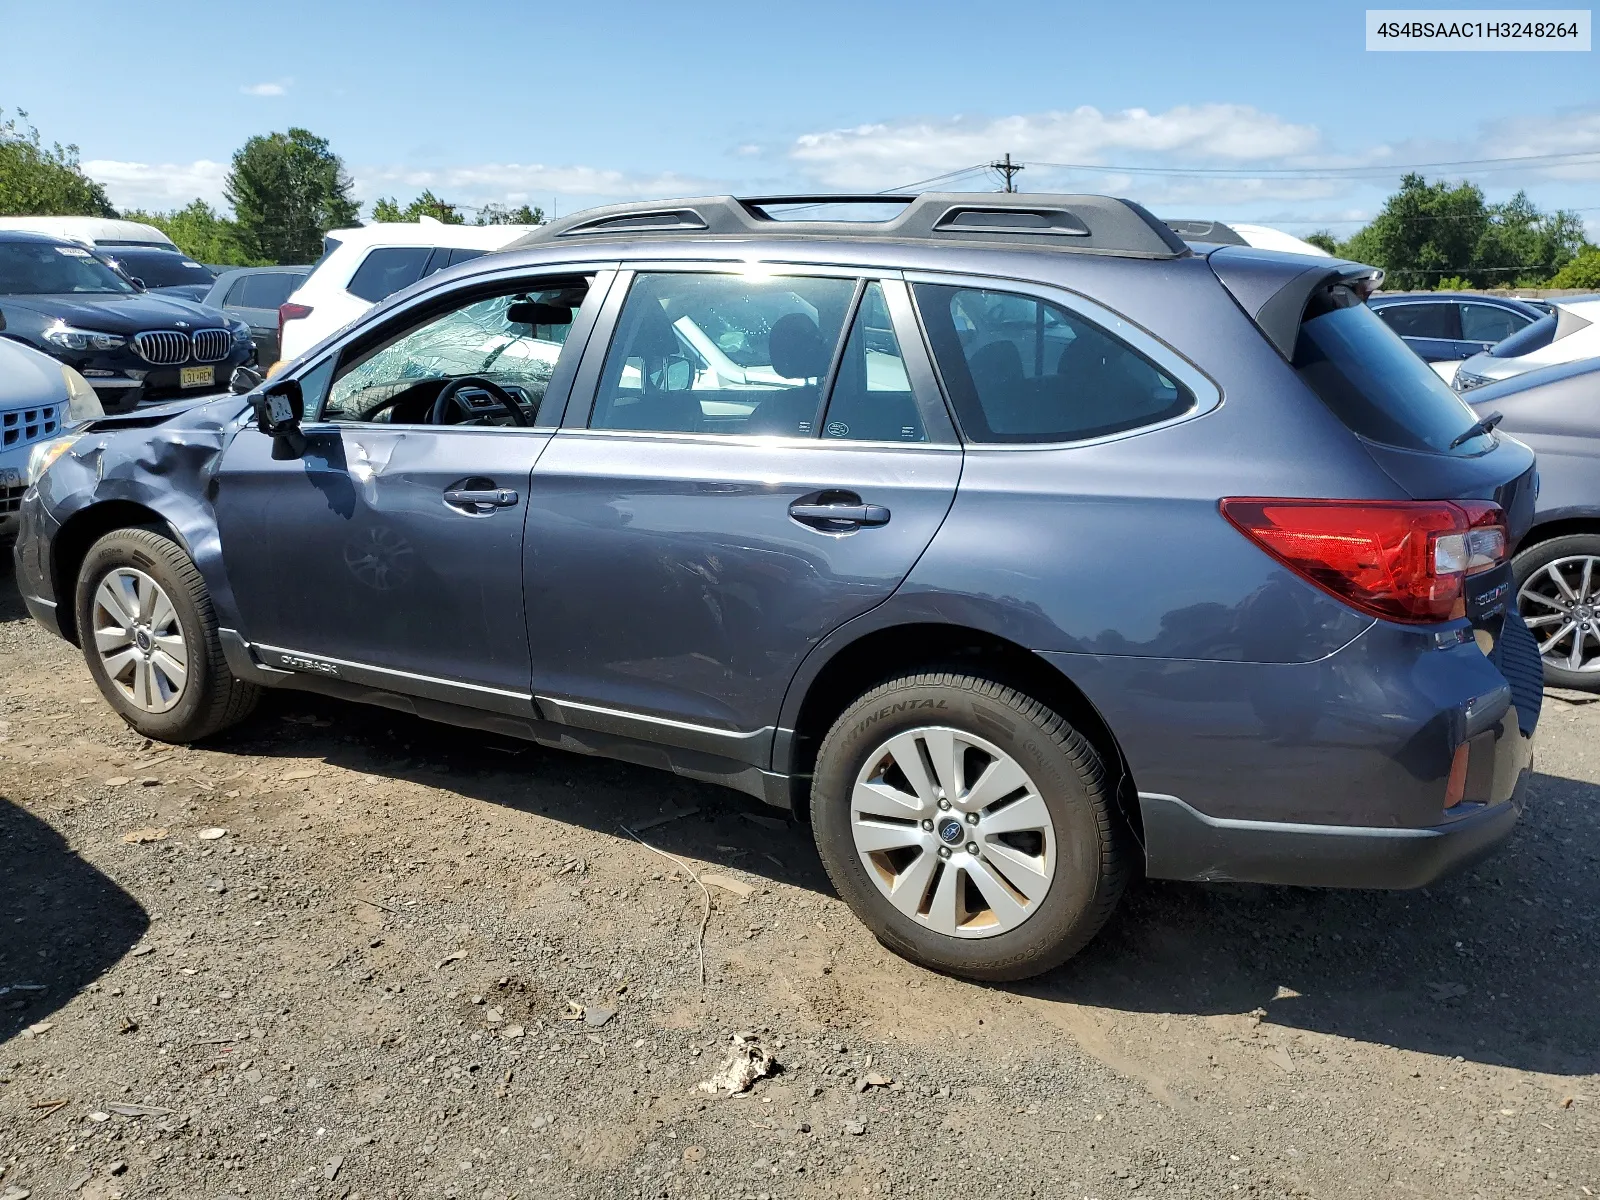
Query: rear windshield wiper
1483, 425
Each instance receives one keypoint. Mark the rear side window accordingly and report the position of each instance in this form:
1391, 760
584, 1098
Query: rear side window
387, 269
264, 291
1487, 323
872, 398
1020, 369
1422, 320
722, 354
459, 255
1373, 381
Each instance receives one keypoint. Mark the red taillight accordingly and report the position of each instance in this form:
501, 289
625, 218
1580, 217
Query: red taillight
291, 312
1401, 560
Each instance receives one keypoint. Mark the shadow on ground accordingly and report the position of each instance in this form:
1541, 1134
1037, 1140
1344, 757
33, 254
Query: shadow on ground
64, 923
1498, 965
11, 605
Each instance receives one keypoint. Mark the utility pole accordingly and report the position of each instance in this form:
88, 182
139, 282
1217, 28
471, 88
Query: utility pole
1007, 168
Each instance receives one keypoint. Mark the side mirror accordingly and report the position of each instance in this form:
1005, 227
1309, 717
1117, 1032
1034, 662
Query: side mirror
677, 374
278, 412
138, 283
243, 379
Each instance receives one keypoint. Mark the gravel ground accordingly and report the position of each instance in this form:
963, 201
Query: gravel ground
343, 953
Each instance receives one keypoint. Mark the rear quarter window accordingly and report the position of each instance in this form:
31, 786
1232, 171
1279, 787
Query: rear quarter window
386, 270
1373, 381
1020, 369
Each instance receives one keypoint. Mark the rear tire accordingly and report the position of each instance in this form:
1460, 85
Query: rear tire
149, 636
1009, 853
1539, 571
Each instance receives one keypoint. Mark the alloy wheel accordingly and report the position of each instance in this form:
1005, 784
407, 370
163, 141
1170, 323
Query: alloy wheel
953, 832
1560, 603
139, 639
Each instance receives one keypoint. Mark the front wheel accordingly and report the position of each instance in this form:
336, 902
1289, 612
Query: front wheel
1558, 595
971, 828
149, 636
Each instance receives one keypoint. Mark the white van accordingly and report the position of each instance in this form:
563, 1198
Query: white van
360, 267
92, 231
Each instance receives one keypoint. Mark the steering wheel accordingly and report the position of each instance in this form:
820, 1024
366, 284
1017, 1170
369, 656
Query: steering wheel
450, 392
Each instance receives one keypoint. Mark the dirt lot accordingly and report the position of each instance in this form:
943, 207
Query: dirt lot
359, 989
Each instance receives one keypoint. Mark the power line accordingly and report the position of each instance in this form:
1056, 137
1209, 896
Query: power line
1478, 165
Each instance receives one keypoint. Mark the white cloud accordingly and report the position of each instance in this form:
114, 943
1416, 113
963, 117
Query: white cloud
159, 185
266, 89
524, 183
887, 154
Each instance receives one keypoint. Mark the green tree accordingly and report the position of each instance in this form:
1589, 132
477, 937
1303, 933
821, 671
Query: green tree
201, 233
40, 180
1323, 240
1582, 272
425, 205
1430, 232
499, 214
287, 190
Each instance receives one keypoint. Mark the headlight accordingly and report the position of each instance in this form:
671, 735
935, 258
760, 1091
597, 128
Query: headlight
82, 402
241, 333
68, 338
45, 453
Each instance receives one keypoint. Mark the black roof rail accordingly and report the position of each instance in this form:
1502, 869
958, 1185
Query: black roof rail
1194, 230
1098, 224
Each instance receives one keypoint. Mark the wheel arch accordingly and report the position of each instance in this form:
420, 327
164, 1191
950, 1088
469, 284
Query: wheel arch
1560, 524
834, 676
81, 530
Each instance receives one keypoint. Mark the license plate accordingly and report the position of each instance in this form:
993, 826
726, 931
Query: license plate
10, 477
196, 376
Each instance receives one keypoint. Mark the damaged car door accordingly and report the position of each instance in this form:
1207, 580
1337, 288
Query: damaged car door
389, 551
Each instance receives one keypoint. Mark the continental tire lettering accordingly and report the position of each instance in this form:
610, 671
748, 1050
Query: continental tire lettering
898, 706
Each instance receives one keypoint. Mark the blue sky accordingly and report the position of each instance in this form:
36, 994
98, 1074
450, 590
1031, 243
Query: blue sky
575, 104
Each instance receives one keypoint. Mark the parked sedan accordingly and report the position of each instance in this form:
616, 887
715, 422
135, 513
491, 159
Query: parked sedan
40, 399
1450, 326
1556, 411
252, 295
58, 297
170, 272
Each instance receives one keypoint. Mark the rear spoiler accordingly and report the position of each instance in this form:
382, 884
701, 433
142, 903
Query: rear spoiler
1274, 288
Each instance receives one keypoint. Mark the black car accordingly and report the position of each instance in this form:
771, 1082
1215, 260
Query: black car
1447, 326
157, 269
58, 297
252, 295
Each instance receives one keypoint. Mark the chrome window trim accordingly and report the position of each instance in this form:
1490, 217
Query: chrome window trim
1208, 396
752, 440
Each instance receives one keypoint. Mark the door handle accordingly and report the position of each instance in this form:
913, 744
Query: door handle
480, 500
835, 517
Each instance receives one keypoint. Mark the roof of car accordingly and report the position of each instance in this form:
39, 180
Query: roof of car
428, 232
1385, 298
23, 235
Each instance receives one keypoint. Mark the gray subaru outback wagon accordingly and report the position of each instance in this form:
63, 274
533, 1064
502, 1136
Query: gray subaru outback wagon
1018, 543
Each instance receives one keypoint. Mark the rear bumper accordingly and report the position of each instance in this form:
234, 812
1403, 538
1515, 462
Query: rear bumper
1182, 843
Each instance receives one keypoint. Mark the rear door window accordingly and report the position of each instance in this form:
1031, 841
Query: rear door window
722, 354
1489, 323
265, 291
1422, 320
1021, 369
387, 269
1373, 381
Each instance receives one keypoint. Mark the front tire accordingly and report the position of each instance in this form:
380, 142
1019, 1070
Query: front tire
971, 828
1558, 595
149, 636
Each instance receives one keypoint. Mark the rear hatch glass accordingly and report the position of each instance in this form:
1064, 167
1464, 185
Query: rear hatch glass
1375, 383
